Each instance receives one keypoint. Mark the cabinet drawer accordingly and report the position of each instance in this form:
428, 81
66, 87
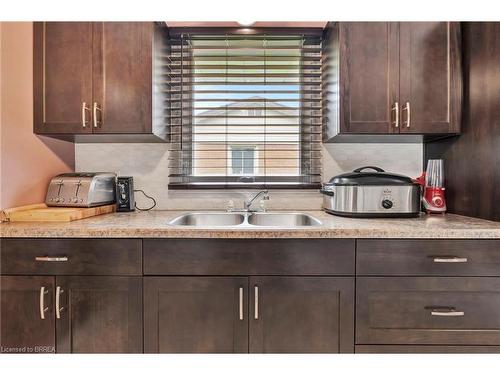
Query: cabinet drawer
428, 310
423, 349
248, 257
71, 257
428, 257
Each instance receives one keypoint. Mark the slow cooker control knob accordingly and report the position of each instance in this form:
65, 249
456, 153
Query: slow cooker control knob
386, 203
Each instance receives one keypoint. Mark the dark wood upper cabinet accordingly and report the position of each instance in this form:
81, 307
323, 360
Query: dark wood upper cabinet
301, 315
472, 174
122, 77
430, 79
392, 78
369, 76
95, 80
196, 315
62, 77
27, 314
99, 314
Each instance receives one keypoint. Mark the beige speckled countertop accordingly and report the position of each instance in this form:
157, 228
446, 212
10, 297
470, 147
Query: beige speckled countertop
154, 224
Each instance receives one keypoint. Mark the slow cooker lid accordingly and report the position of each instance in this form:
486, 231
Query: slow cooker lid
377, 176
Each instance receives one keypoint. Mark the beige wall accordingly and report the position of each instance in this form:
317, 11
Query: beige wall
148, 164
27, 161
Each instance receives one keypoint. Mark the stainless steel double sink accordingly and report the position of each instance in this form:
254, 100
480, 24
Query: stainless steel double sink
244, 219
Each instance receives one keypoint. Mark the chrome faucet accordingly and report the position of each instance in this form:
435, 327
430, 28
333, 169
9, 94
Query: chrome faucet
248, 203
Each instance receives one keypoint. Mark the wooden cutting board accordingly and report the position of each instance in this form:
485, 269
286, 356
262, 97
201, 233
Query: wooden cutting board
40, 212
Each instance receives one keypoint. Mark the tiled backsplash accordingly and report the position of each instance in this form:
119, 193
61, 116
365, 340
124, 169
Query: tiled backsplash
148, 164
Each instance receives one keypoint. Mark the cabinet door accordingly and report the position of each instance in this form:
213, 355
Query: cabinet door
27, 315
122, 77
430, 77
62, 77
369, 76
196, 314
99, 314
302, 315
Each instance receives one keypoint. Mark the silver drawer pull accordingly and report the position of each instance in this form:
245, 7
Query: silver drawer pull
58, 302
241, 303
43, 309
51, 259
395, 108
445, 311
95, 109
256, 301
408, 118
84, 112
449, 259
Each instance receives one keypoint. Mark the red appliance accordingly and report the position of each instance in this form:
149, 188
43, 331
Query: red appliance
434, 200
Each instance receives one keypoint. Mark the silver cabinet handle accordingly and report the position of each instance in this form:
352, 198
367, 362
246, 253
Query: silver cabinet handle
395, 108
43, 309
256, 296
241, 303
51, 259
96, 108
84, 117
446, 311
59, 291
449, 259
408, 118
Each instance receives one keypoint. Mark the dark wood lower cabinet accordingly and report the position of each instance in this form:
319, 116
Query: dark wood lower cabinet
428, 311
423, 349
177, 298
84, 257
244, 257
195, 314
99, 314
211, 314
405, 257
301, 315
27, 314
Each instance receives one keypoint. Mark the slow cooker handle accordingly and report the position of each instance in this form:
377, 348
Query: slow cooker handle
327, 192
359, 170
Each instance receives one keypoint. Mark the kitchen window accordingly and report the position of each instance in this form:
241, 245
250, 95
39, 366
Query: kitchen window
245, 110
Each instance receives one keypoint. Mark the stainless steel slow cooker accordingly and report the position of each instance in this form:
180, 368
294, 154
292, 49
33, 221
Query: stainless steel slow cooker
374, 193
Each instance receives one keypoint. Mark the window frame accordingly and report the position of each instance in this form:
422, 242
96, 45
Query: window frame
242, 148
272, 181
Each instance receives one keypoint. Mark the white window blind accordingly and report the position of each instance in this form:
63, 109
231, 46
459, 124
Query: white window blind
245, 97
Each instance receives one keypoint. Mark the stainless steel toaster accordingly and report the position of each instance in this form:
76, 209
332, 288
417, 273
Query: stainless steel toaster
81, 189
371, 194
